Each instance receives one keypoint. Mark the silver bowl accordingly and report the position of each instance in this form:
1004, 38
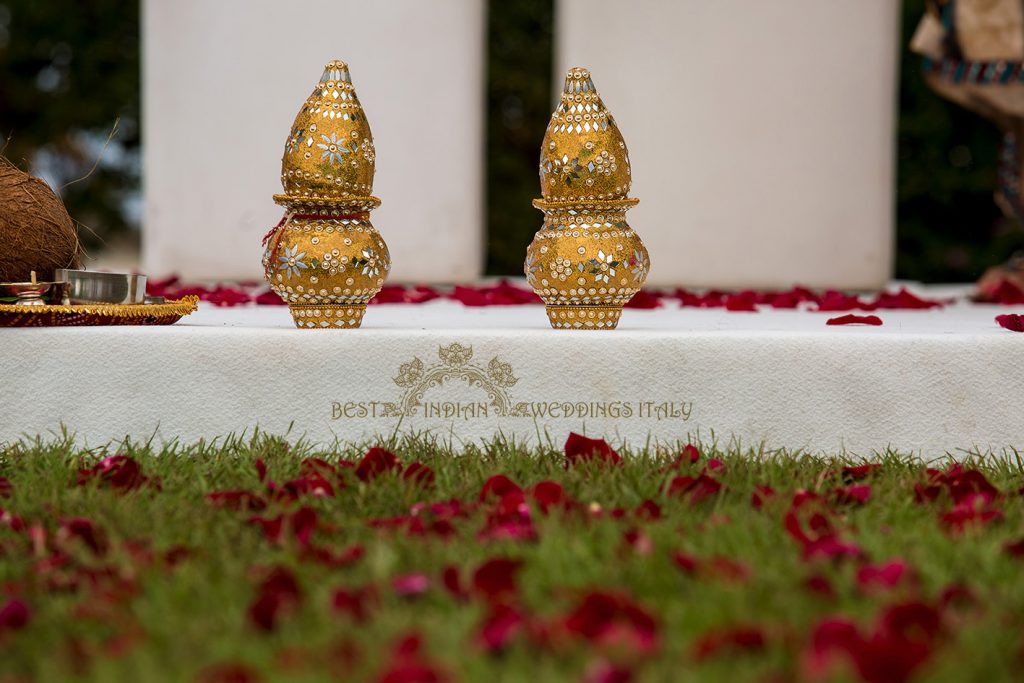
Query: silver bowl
87, 287
28, 293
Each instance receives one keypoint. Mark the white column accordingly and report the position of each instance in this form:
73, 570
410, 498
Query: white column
761, 134
222, 82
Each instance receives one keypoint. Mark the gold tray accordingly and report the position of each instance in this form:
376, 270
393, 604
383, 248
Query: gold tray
78, 315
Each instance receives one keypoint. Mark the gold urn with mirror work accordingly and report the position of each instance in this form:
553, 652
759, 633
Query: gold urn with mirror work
585, 262
325, 258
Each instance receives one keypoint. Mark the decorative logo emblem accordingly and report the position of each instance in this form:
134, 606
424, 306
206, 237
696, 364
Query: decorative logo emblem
455, 364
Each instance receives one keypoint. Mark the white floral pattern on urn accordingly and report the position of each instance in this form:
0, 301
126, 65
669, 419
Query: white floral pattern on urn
325, 259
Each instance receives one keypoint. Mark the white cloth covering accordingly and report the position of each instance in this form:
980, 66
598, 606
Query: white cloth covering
927, 382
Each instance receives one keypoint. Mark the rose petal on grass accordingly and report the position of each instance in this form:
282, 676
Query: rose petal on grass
410, 585
409, 664
694, 489
688, 456
814, 530
376, 462
851, 319
605, 672
498, 486
648, 510
420, 474
882, 576
636, 541
237, 500
688, 564
278, 592
6, 488
820, 586
14, 615
579, 449
613, 620
854, 494
1014, 548
901, 641
731, 640
496, 578
86, 531
229, 673
452, 581
548, 495
858, 472
355, 603
500, 627
760, 495
119, 472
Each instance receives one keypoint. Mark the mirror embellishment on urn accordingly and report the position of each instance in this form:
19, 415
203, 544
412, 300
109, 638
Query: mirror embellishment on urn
585, 262
325, 258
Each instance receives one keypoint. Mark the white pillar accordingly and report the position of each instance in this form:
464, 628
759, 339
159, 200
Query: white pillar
761, 134
222, 82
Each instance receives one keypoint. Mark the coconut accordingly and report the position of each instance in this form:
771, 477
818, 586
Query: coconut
36, 232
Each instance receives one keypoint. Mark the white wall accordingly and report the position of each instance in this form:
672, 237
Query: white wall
761, 134
222, 82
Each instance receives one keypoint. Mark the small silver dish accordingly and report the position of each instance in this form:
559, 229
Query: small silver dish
33, 293
87, 287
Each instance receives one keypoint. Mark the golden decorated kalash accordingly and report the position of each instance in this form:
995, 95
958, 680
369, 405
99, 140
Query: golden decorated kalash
324, 258
585, 262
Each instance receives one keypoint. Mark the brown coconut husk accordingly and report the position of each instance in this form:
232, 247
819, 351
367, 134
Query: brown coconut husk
36, 232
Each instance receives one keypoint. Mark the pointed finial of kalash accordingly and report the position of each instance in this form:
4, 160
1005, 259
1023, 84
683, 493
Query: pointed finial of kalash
325, 258
585, 262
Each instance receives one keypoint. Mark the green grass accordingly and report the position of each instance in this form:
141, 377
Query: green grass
118, 616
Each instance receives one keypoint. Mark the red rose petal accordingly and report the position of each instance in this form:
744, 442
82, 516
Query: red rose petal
496, 578
269, 298
355, 603
694, 489
851, 319
613, 620
761, 493
419, 473
548, 495
119, 472
648, 510
229, 673
500, 627
644, 299
1011, 321
410, 585
279, 592
498, 486
376, 462
885, 576
860, 471
14, 615
237, 500
730, 640
579, 449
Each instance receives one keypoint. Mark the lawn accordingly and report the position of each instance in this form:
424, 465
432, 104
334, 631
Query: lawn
264, 560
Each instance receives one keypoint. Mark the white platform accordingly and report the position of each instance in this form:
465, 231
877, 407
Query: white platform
926, 381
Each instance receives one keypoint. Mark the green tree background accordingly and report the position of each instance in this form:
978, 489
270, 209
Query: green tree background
69, 69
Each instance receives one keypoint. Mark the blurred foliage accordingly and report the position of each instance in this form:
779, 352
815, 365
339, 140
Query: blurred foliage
519, 101
948, 225
68, 69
